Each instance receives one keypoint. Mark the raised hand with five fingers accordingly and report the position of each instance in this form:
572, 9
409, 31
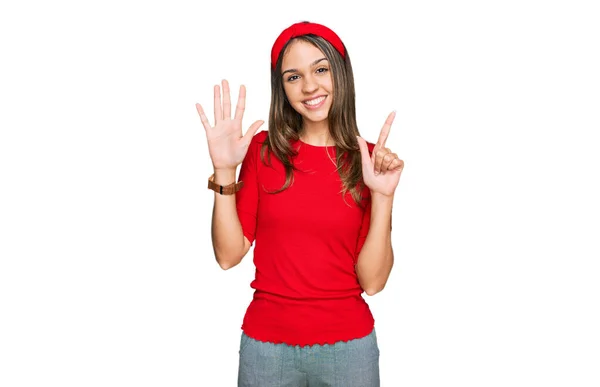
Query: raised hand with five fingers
381, 169
227, 145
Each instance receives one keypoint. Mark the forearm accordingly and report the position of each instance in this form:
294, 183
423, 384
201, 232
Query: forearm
226, 232
376, 257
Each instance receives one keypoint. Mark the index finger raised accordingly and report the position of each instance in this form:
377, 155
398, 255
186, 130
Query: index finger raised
385, 130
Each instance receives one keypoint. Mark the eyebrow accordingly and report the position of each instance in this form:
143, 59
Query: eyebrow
295, 70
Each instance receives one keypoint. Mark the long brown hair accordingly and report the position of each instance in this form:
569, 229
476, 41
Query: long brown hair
285, 123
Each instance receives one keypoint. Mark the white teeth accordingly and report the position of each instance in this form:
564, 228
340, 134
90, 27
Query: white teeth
315, 101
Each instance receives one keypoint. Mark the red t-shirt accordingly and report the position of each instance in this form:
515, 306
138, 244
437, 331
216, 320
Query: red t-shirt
306, 244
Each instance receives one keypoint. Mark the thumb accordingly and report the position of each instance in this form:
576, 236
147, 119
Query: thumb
364, 152
252, 130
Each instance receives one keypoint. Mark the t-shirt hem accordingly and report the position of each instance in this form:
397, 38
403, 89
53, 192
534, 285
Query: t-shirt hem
305, 342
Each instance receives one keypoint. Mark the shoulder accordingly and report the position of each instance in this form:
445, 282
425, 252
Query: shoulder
257, 140
260, 137
370, 146
256, 144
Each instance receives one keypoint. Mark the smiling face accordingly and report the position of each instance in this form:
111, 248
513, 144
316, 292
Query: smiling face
307, 81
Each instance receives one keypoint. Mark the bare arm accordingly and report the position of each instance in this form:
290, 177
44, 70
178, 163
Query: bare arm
381, 175
227, 148
229, 243
376, 257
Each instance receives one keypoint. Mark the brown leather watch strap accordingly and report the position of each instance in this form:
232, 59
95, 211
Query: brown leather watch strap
224, 190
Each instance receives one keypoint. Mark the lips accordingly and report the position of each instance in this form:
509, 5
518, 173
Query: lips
315, 102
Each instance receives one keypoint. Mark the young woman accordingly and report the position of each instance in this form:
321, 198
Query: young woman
315, 199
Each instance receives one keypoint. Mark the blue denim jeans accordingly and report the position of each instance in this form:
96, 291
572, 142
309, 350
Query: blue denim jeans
344, 364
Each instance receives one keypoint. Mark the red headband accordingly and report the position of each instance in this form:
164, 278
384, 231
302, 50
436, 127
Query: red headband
305, 28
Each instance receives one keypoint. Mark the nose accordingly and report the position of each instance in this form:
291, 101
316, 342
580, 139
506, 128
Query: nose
309, 85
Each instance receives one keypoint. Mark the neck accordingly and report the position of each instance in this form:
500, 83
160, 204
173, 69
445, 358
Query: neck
316, 134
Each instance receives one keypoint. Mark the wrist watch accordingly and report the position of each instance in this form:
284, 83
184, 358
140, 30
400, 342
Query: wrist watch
224, 190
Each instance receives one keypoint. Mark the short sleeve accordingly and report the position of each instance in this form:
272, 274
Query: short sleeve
247, 197
366, 218
364, 229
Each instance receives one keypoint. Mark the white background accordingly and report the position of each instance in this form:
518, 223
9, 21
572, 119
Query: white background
107, 275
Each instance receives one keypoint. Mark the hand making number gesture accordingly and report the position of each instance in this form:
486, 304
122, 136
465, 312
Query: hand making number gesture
381, 169
226, 144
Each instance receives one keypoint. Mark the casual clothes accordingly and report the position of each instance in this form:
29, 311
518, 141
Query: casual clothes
306, 243
344, 364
